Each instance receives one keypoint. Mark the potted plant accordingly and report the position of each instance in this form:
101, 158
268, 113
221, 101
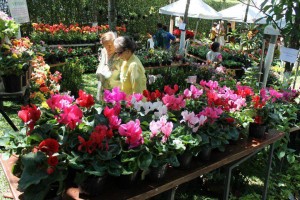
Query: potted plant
8, 27
15, 61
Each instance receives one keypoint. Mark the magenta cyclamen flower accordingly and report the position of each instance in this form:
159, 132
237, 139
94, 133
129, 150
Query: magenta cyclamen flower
114, 96
133, 133
70, 116
211, 113
276, 95
59, 101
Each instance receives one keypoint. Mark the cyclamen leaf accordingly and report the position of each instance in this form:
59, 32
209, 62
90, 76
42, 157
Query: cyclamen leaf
31, 173
144, 160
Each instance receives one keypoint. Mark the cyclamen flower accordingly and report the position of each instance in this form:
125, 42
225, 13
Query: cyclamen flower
133, 133
193, 121
211, 113
101, 133
168, 90
161, 126
85, 100
210, 84
29, 115
59, 101
71, 116
88, 146
276, 95
49, 146
194, 92
152, 96
114, 96
174, 103
244, 91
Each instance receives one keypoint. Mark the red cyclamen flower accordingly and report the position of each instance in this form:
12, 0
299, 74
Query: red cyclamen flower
49, 146
85, 100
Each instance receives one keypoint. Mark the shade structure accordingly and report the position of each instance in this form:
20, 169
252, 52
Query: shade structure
197, 9
237, 13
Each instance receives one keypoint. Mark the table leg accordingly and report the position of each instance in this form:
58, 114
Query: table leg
266, 184
171, 193
228, 173
8, 120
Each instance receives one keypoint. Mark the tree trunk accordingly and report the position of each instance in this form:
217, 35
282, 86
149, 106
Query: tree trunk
112, 15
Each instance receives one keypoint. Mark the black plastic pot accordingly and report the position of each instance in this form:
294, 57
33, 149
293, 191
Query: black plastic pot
93, 185
157, 173
257, 130
185, 160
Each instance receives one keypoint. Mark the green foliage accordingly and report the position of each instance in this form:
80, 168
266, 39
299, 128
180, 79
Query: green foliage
71, 76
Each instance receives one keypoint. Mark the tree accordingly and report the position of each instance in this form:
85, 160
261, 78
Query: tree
112, 15
290, 10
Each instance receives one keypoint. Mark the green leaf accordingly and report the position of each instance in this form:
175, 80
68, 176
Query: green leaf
144, 160
281, 154
33, 173
290, 158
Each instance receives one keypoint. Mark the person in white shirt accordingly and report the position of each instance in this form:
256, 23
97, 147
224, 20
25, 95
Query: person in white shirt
214, 56
150, 42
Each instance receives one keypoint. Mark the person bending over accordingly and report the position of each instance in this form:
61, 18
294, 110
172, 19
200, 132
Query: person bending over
132, 77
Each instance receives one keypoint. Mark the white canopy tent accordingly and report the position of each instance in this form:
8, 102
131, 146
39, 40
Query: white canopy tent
197, 9
237, 13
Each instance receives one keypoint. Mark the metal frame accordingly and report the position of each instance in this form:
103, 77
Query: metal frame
235, 164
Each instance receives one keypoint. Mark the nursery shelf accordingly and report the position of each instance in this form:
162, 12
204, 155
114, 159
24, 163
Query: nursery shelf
167, 66
192, 56
74, 45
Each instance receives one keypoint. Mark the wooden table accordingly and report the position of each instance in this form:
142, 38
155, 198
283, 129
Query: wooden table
233, 155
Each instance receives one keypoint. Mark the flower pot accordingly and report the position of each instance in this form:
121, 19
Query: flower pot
185, 160
127, 181
12, 83
157, 173
205, 154
93, 185
257, 130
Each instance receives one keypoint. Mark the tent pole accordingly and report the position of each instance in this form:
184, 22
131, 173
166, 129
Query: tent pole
196, 28
171, 24
182, 35
261, 59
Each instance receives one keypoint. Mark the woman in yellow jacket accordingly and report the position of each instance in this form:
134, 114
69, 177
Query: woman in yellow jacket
132, 76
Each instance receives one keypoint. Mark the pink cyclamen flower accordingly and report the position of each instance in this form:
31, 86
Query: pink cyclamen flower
174, 103
59, 101
70, 116
133, 133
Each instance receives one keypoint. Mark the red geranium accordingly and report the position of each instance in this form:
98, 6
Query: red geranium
49, 146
